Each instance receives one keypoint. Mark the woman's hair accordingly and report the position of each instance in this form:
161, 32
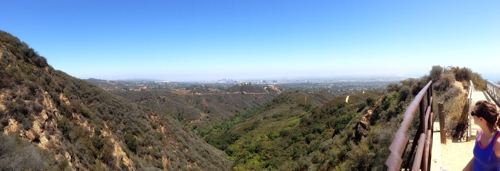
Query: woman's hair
488, 111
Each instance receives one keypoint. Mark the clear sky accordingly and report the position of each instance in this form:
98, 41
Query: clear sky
185, 40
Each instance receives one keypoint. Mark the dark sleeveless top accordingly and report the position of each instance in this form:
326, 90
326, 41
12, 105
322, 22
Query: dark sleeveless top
484, 156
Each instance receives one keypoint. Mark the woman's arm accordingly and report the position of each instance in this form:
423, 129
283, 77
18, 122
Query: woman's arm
468, 167
497, 148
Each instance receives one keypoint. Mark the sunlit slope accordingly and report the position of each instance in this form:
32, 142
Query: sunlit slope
79, 126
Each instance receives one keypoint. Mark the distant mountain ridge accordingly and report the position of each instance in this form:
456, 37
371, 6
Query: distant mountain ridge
78, 126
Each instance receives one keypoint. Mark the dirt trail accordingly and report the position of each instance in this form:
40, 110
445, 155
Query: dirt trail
454, 155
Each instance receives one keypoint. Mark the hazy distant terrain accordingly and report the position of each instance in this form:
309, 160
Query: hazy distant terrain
202, 106
206, 103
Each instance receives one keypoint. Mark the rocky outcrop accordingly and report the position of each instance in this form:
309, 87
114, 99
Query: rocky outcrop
362, 128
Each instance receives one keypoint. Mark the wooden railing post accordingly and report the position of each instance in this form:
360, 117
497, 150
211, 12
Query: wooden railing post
441, 122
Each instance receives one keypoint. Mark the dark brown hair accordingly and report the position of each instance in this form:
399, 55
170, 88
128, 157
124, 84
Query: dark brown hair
488, 111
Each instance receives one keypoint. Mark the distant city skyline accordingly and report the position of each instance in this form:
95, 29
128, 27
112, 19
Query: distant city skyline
210, 40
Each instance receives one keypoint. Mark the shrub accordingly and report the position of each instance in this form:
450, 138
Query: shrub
284, 133
64, 126
451, 93
403, 93
97, 142
435, 73
5, 122
15, 154
370, 101
131, 142
253, 126
273, 135
446, 82
462, 74
361, 106
393, 87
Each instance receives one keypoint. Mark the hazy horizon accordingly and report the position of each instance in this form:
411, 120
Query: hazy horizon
211, 40
493, 78
384, 77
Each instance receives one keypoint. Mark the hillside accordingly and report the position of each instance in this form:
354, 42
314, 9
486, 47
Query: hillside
200, 106
51, 120
282, 133
300, 131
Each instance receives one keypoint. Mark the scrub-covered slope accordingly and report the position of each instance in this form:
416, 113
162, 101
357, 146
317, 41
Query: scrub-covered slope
73, 124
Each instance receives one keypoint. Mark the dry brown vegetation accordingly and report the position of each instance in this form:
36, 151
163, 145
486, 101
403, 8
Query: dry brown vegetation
80, 126
452, 88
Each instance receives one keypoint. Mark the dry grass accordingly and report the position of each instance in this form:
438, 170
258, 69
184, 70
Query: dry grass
455, 109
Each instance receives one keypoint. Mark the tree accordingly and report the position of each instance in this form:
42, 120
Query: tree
436, 72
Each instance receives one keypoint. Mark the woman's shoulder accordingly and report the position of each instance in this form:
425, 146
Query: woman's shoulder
496, 146
497, 137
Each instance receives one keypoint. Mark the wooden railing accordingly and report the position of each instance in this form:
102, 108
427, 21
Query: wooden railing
421, 158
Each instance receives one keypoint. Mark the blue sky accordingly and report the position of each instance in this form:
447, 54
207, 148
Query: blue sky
208, 40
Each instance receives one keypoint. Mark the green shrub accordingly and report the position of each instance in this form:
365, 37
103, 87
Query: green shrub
131, 142
64, 126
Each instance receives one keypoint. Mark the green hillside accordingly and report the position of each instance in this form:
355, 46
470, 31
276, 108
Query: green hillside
64, 123
300, 131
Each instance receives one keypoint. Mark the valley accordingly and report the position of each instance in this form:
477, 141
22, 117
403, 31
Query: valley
50, 120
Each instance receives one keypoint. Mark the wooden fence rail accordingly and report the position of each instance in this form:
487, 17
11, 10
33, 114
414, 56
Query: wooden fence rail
420, 159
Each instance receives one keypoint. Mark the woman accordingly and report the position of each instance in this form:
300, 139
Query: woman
487, 145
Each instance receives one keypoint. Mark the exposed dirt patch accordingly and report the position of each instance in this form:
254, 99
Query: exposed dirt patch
273, 88
64, 99
165, 161
2, 107
13, 126
181, 92
118, 152
460, 85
